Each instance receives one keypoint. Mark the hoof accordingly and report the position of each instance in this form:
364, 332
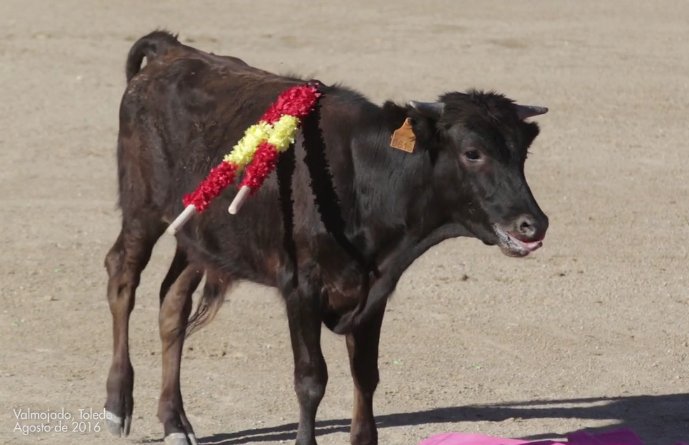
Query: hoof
116, 426
181, 439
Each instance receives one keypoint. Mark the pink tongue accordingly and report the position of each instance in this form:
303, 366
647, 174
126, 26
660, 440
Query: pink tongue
533, 245
528, 245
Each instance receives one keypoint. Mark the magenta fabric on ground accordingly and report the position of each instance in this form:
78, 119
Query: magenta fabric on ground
478, 439
617, 437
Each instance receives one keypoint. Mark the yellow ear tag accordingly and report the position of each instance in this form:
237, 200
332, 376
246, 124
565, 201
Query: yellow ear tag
403, 138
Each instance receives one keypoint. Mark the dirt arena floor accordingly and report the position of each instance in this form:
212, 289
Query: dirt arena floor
590, 332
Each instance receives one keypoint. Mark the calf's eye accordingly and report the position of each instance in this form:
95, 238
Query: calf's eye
472, 155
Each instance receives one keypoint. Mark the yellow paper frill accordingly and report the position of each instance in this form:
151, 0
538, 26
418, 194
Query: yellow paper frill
283, 133
244, 150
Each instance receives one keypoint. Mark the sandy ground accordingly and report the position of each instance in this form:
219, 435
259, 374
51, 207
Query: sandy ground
590, 332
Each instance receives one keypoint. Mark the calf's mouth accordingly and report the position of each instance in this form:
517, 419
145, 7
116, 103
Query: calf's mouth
513, 246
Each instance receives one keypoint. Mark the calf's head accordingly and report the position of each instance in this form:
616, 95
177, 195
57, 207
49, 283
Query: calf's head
478, 144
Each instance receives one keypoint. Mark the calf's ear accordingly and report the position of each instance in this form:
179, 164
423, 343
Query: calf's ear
530, 130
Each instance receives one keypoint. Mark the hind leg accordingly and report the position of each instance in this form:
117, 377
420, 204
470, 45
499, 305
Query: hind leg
175, 306
174, 315
125, 261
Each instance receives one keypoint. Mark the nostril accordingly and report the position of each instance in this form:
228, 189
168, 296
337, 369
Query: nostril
526, 226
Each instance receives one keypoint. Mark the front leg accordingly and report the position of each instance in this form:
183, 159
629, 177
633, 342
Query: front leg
362, 345
310, 371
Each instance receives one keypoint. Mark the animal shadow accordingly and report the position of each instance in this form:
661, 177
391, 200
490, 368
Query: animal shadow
657, 419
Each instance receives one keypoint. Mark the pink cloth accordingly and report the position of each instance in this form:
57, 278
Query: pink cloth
618, 437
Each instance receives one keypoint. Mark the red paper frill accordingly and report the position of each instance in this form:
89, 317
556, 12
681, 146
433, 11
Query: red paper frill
264, 161
217, 180
296, 101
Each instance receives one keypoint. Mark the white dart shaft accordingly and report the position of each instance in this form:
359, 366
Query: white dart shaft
183, 217
239, 200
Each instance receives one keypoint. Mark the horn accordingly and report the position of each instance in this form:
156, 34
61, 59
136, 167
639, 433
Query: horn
429, 109
526, 111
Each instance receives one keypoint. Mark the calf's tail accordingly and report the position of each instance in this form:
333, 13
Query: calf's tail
150, 46
212, 298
